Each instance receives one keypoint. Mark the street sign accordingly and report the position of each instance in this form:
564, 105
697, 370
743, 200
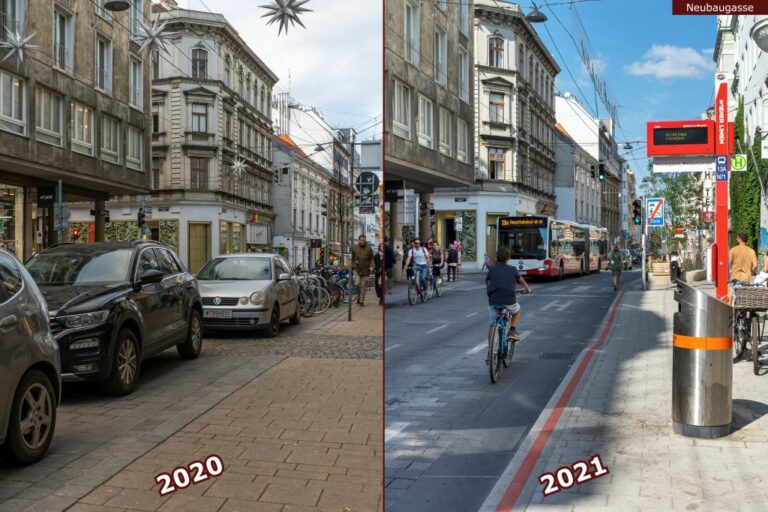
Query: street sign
721, 168
367, 181
708, 217
60, 216
46, 196
739, 163
655, 211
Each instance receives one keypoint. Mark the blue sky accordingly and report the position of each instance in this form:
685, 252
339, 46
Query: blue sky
658, 66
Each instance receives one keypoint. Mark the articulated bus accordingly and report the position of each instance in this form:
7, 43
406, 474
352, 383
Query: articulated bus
542, 246
598, 247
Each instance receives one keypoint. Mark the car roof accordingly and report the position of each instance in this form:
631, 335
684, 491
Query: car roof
248, 255
102, 246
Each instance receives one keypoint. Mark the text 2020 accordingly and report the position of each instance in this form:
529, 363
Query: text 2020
568, 476
195, 472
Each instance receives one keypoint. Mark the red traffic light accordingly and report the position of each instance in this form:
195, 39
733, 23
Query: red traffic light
75, 234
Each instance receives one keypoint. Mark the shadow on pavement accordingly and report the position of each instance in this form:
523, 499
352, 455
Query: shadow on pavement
746, 412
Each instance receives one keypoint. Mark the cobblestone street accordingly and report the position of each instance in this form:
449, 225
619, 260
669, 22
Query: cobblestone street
296, 420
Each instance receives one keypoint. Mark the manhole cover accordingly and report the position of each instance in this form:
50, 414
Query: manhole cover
560, 356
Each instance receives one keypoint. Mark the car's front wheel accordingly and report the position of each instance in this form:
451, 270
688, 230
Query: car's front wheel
32, 421
273, 329
191, 348
126, 364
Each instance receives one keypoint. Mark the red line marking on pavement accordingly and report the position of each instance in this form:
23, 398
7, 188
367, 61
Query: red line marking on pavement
529, 463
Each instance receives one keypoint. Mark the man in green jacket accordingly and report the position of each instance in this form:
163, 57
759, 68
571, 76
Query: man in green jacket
362, 264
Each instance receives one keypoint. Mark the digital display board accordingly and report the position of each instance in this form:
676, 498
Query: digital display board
677, 136
522, 222
681, 138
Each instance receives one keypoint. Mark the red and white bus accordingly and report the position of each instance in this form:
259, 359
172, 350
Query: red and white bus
542, 246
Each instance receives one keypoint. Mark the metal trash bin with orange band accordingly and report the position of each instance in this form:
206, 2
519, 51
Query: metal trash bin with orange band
702, 364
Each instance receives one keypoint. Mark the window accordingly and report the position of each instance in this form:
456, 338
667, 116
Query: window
262, 100
199, 117
496, 108
10, 277
228, 124
199, 63
426, 122
82, 128
136, 85
155, 118
103, 64
496, 157
248, 89
464, 16
521, 61
110, 139
241, 83
157, 164
412, 31
496, 52
401, 120
136, 15
462, 140
11, 16
101, 11
445, 132
199, 174
49, 110
441, 56
134, 157
227, 71
63, 40
463, 74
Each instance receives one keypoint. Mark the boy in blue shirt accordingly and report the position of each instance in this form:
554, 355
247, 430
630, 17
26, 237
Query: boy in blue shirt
501, 282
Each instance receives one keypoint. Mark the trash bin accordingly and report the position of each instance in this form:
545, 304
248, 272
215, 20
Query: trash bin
702, 364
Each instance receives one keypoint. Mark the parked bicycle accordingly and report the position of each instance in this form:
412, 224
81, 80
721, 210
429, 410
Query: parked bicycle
750, 301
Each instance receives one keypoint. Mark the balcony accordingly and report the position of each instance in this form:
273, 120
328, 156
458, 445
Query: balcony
229, 145
200, 140
161, 139
497, 129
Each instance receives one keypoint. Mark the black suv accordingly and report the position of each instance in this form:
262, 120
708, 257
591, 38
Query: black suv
114, 304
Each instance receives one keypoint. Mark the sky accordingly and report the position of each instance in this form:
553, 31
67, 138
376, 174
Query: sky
335, 64
657, 66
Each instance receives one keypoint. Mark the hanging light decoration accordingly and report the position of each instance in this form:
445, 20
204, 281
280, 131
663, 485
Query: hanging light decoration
239, 167
17, 43
285, 11
536, 16
153, 37
117, 5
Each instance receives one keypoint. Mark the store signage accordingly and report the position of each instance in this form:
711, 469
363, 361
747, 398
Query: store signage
46, 197
719, 7
316, 243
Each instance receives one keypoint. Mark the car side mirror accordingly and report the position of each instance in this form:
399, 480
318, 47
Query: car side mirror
284, 277
151, 276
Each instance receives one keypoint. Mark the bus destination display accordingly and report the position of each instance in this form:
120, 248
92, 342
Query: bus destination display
678, 136
509, 222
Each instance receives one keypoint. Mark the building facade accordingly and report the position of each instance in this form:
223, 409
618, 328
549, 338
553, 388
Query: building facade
429, 101
211, 107
576, 181
77, 109
300, 191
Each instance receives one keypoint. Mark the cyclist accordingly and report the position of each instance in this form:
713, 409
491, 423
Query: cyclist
419, 256
437, 255
501, 282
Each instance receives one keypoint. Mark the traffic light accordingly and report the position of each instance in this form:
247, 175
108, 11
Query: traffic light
637, 212
592, 170
75, 234
601, 172
141, 218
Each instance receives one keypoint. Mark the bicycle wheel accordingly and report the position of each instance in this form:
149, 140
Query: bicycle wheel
336, 293
323, 300
755, 345
305, 303
509, 345
740, 335
438, 285
494, 358
413, 293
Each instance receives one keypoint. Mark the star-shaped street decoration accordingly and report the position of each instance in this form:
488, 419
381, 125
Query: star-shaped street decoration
17, 43
285, 11
153, 37
239, 167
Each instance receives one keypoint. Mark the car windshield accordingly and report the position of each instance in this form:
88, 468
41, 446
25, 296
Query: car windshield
236, 269
72, 267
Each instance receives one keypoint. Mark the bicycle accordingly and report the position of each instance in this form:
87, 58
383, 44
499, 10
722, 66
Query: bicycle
416, 291
437, 281
749, 300
501, 350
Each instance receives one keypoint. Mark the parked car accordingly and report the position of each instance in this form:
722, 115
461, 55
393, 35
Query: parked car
626, 259
249, 291
114, 304
30, 370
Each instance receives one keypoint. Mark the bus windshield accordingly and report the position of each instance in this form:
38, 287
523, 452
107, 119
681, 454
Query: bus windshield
529, 243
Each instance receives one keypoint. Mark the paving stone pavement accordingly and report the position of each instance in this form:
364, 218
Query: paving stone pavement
97, 436
622, 411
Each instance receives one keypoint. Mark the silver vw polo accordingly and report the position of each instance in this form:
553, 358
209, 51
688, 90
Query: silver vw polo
249, 291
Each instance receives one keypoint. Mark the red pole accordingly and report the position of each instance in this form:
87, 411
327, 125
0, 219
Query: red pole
721, 190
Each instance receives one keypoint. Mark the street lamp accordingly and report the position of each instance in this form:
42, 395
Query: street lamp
627, 147
536, 16
117, 5
759, 34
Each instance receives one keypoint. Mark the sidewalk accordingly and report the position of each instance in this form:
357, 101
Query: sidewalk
621, 410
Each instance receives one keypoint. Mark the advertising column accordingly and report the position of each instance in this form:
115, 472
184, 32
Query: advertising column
722, 163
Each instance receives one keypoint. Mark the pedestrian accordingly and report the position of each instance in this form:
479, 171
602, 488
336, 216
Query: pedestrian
459, 247
362, 264
674, 266
453, 262
389, 264
407, 263
616, 264
379, 262
486, 262
742, 260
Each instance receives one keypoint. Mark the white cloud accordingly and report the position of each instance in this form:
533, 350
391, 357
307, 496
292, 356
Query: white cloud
335, 64
667, 61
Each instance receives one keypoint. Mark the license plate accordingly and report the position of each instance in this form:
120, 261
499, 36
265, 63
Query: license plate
523, 272
217, 313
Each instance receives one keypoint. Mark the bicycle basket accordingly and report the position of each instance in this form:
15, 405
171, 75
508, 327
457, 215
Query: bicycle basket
750, 297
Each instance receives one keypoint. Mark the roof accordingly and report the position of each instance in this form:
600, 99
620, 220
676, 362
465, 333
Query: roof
564, 132
286, 141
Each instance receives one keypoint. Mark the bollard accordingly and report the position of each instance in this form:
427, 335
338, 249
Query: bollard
702, 364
